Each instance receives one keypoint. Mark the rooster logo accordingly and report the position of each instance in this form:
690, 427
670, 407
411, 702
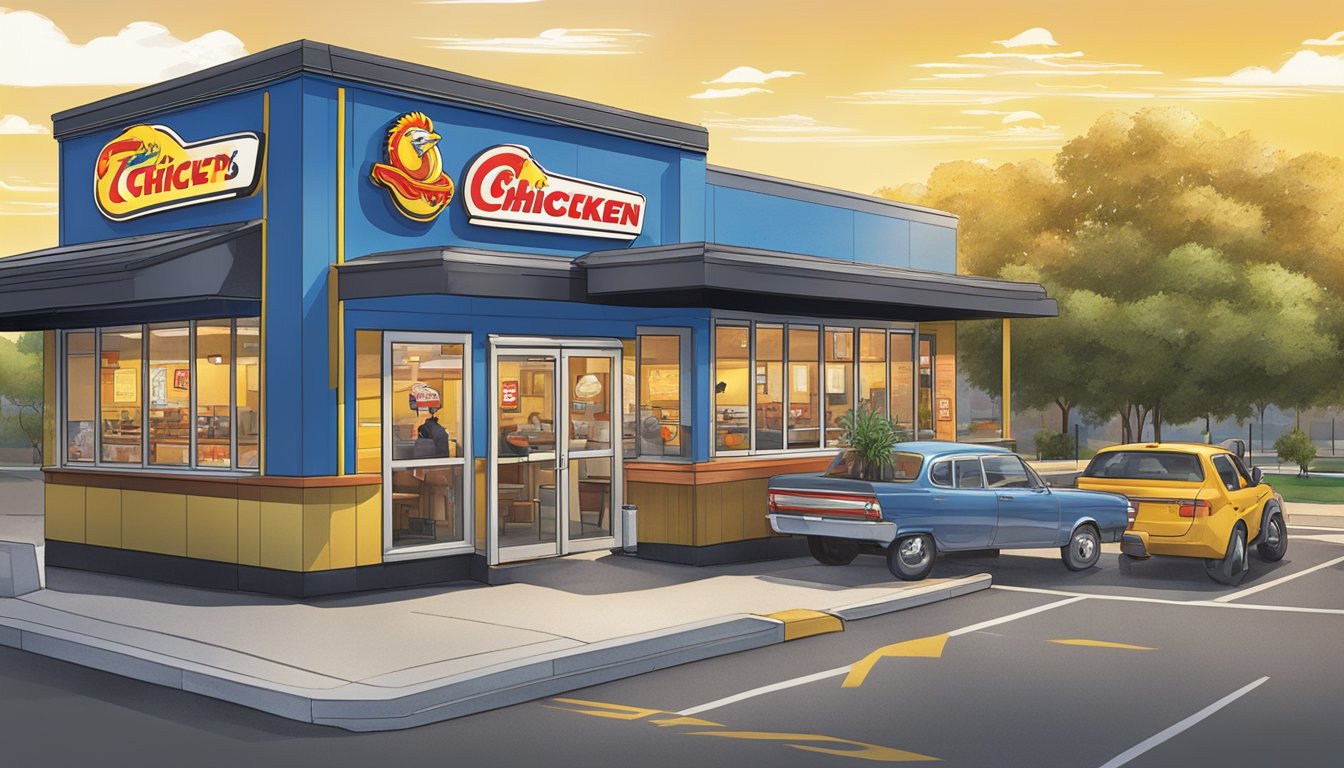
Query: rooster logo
413, 173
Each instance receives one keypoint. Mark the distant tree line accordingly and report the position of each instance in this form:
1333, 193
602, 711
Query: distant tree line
1199, 275
21, 392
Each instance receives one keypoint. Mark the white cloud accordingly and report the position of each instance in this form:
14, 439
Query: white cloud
775, 124
14, 125
46, 189
479, 2
1306, 69
1021, 116
1030, 56
750, 75
1335, 39
35, 52
26, 208
559, 41
1033, 36
728, 93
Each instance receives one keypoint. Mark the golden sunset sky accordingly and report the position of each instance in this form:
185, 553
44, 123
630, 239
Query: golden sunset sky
850, 94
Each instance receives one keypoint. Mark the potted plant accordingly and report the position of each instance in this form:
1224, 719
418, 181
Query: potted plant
871, 436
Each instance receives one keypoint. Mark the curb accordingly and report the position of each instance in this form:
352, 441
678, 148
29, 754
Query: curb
361, 706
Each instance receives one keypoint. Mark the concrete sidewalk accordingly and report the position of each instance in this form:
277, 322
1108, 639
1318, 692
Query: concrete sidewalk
398, 659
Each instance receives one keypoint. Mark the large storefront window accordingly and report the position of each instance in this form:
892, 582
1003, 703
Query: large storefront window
788, 389
661, 427
165, 394
428, 425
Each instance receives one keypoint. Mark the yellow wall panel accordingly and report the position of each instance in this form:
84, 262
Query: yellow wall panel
154, 522
754, 523
102, 517
734, 510
212, 528
282, 529
482, 503
708, 501
249, 532
316, 529
369, 525
65, 512
344, 502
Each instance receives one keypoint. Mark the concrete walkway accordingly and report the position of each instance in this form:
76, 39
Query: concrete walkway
397, 659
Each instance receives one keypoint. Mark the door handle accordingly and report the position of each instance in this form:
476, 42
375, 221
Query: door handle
1005, 498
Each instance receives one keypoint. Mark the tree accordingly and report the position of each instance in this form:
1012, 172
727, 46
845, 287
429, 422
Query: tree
1197, 274
1296, 447
21, 387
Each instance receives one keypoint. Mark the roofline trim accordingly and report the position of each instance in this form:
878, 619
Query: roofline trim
821, 195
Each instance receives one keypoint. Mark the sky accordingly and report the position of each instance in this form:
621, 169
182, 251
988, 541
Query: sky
852, 94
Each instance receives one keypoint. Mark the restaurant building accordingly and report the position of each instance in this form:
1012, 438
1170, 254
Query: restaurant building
322, 321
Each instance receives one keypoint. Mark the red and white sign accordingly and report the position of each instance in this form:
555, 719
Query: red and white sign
424, 396
508, 395
506, 187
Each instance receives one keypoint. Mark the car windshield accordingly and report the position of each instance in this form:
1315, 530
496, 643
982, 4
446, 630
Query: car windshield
1146, 465
904, 467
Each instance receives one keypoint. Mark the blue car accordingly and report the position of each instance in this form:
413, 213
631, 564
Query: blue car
941, 497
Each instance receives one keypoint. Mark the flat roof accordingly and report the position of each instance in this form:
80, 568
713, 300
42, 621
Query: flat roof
310, 57
819, 195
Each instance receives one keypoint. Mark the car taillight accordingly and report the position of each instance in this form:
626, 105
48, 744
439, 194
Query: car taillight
823, 503
1131, 513
872, 509
1196, 508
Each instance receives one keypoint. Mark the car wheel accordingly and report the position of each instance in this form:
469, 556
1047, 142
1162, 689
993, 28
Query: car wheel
1083, 550
829, 551
911, 558
1274, 545
1233, 565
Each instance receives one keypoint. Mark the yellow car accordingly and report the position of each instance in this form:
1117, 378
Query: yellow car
1192, 500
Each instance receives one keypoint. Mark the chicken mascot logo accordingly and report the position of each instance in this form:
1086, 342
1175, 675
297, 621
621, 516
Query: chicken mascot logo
413, 173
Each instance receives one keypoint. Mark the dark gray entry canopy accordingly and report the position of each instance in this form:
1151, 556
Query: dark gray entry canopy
749, 279
184, 275
461, 271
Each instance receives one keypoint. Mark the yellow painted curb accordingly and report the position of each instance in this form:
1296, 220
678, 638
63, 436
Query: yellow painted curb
804, 623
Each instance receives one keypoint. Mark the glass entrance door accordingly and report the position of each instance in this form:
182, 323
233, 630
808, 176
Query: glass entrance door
556, 470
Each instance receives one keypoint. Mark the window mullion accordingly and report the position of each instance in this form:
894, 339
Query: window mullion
233, 395
192, 382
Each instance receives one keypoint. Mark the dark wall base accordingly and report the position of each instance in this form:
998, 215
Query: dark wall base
212, 575
774, 548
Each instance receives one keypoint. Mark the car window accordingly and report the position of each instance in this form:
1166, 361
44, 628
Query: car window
968, 473
1146, 465
941, 474
1005, 472
904, 467
1227, 473
1241, 470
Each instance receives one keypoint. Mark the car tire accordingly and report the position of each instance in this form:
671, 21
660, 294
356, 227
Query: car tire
910, 558
832, 551
1274, 543
1231, 568
1083, 549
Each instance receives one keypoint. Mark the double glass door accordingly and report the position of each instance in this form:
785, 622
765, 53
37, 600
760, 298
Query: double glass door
556, 429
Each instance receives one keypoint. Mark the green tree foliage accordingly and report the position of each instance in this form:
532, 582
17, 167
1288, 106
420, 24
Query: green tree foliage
21, 389
1197, 274
1054, 445
1296, 447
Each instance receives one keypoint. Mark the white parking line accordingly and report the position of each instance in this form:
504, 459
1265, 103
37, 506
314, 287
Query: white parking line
1276, 582
838, 671
1168, 733
1181, 603
1336, 529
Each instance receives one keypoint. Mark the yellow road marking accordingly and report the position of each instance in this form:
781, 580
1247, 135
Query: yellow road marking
861, 750
804, 623
924, 647
1101, 644
840, 748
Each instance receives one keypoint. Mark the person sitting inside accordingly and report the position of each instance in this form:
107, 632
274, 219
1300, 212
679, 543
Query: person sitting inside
433, 430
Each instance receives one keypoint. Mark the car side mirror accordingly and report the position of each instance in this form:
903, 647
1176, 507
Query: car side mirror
1256, 476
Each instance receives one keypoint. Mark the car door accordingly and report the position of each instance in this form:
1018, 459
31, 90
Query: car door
966, 511
1028, 512
1241, 496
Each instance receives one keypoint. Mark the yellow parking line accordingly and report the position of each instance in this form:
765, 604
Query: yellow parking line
801, 622
859, 749
1101, 644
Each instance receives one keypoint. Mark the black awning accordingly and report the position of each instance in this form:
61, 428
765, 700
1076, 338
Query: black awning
182, 275
461, 271
749, 279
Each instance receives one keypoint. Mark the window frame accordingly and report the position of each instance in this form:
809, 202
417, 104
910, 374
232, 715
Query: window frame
144, 465
686, 385
821, 326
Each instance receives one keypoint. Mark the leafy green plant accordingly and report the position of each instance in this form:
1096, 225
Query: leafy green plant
1054, 445
871, 436
1296, 447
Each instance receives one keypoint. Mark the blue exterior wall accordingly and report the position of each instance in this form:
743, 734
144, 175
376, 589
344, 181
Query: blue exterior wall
777, 222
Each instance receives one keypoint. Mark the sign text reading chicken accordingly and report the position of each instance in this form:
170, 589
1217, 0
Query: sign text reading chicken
507, 187
149, 168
